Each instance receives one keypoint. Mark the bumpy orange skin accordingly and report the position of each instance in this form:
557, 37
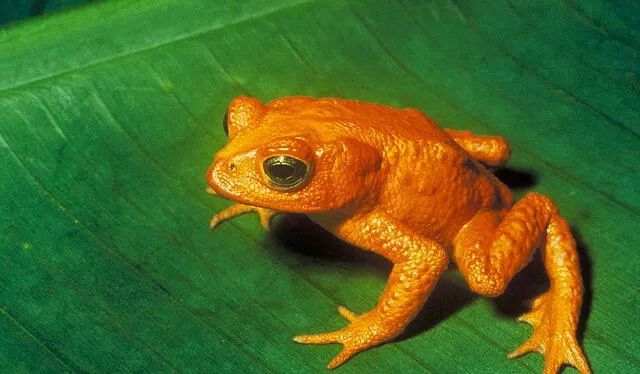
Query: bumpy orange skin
392, 182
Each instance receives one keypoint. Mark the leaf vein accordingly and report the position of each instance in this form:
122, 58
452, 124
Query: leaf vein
175, 39
33, 336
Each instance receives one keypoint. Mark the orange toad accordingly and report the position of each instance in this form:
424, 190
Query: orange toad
392, 182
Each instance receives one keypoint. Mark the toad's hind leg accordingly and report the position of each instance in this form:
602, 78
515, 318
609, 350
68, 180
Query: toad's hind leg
493, 151
490, 251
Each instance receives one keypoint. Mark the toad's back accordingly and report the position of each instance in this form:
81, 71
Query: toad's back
428, 181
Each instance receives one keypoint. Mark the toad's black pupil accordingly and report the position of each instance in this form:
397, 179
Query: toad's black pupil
282, 171
285, 172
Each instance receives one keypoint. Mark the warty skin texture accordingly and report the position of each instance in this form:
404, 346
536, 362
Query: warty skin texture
392, 182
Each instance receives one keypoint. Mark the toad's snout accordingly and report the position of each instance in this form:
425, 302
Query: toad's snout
230, 177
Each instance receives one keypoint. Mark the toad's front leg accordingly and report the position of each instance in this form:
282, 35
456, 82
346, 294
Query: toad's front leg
418, 263
238, 210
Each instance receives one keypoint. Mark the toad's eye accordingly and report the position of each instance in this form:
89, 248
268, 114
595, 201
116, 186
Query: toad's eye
285, 172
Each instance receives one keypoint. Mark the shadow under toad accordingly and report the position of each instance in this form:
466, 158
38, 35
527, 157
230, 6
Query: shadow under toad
517, 179
303, 237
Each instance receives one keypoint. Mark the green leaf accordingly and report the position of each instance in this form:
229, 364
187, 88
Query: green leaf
111, 113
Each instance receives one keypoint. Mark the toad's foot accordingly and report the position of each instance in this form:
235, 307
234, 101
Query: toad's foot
552, 336
239, 209
365, 331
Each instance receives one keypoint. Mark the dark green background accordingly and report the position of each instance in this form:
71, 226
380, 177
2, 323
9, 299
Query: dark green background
16, 10
110, 114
